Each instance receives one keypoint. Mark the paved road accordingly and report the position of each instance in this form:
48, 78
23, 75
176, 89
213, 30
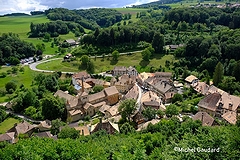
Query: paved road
139, 96
34, 65
23, 117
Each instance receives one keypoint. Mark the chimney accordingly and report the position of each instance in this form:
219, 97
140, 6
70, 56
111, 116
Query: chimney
202, 118
230, 106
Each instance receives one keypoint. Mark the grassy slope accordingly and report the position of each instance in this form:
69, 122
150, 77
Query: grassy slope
106, 64
21, 26
19, 78
132, 11
7, 124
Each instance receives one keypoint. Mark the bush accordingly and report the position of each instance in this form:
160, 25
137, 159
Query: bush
3, 75
10, 87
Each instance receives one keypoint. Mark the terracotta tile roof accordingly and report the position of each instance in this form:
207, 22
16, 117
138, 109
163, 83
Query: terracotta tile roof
96, 96
87, 105
43, 135
45, 124
100, 104
75, 112
145, 125
22, 128
104, 108
169, 95
132, 94
191, 78
143, 76
229, 102
163, 74
113, 110
210, 101
62, 94
202, 88
79, 75
7, 136
230, 117
70, 100
151, 103
111, 91
120, 68
205, 118
85, 85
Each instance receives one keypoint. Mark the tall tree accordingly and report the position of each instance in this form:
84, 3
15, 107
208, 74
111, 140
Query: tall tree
115, 55
158, 42
127, 108
146, 54
52, 107
218, 74
236, 71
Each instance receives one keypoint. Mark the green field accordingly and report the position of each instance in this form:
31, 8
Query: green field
192, 3
19, 78
132, 11
7, 124
21, 26
106, 64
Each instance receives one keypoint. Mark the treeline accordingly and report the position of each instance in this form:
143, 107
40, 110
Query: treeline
226, 16
17, 14
54, 28
12, 49
161, 141
89, 18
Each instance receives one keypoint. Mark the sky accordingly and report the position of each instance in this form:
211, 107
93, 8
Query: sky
25, 6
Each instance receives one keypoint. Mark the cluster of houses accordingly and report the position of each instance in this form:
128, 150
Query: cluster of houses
216, 103
153, 90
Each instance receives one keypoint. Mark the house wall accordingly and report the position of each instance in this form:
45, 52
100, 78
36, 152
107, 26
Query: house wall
113, 99
212, 113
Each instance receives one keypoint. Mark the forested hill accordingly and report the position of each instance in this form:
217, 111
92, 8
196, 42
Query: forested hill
156, 4
64, 20
12, 48
98, 17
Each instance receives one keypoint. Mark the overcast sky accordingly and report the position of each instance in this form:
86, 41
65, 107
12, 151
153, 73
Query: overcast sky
25, 6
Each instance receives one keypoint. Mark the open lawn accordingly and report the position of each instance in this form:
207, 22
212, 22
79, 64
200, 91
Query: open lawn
7, 124
106, 64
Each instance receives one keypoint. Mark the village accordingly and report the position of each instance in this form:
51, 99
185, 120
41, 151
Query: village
149, 90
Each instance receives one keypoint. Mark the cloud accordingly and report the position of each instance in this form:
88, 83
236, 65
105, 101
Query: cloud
25, 6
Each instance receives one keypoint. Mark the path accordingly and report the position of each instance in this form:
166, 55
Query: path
23, 117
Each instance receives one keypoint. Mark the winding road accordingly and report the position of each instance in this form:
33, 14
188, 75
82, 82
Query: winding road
34, 65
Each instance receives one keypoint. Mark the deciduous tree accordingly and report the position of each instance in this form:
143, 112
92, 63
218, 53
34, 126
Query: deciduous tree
218, 74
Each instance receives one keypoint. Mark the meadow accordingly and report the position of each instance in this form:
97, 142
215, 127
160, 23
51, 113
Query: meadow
105, 64
21, 26
24, 78
8, 124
